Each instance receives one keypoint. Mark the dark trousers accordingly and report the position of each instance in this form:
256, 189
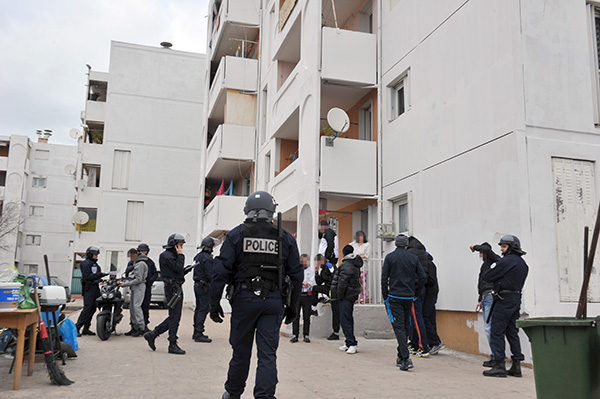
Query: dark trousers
418, 337
401, 310
504, 324
89, 307
171, 323
304, 305
202, 307
347, 319
335, 306
146, 304
429, 318
250, 316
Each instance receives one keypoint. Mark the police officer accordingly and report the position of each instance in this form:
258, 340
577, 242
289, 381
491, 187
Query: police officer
90, 276
250, 262
144, 249
171, 263
203, 269
508, 276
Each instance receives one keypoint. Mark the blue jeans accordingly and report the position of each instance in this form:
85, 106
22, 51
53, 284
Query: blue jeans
486, 307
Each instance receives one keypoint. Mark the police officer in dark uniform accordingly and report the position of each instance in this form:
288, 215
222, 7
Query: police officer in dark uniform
203, 269
508, 276
144, 249
251, 263
171, 263
91, 273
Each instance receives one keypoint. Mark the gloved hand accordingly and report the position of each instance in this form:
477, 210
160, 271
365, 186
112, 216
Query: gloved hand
216, 313
290, 314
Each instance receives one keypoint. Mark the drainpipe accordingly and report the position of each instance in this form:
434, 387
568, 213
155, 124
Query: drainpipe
259, 94
380, 122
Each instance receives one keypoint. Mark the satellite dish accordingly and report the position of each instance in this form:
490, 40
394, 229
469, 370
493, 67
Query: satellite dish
70, 169
81, 184
338, 120
75, 133
81, 217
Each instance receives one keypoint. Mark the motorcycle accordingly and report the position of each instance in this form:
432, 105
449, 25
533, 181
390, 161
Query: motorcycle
110, 304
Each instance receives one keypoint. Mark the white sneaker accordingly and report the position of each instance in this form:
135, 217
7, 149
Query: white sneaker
352, 350
343, 348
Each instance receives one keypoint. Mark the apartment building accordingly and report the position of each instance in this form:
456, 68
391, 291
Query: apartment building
139, 153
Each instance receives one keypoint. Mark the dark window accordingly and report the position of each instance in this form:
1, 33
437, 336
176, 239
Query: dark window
2, 178
400, 100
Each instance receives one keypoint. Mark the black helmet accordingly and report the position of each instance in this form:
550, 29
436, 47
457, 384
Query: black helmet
173, 240
91, 251
260, 205
143, 247
513, 242
208, 244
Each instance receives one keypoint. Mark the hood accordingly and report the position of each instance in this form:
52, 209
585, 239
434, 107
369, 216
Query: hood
142, 258
413, 242
354, 259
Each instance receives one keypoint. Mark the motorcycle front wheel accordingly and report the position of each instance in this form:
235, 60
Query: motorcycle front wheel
103, 326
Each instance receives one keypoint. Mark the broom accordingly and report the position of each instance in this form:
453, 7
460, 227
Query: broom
57, 376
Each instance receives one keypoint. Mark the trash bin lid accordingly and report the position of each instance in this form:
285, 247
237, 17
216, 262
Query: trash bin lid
557, 322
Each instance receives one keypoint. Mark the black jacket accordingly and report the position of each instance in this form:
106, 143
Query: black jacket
152, 272
171, 265
490, 257
401, 274
345, 283
417, 248
203, 267
91, 273
325, 275
329, 236
508, 273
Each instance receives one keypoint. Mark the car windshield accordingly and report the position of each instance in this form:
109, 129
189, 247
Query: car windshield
58, 281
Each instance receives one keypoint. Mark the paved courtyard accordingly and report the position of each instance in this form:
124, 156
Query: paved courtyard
126, 367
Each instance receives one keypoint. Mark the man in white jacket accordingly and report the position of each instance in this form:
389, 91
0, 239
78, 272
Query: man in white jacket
137, 284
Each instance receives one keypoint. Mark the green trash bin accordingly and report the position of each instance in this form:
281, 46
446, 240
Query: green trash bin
566, 356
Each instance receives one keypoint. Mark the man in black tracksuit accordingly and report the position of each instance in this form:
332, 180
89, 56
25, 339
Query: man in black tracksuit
432, 289
144, 249
323, 276
91, 273
328, 247
508, 276
401, 277
203, 270
171, 263
419, 338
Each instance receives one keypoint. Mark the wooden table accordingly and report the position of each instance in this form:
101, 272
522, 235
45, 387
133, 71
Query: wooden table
21, 319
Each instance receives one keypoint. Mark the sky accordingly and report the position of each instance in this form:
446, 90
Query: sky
47, 44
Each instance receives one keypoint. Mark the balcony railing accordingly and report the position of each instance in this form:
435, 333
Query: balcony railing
230, 150
237, 19
359, 156
95, 111
223, 214
349, 56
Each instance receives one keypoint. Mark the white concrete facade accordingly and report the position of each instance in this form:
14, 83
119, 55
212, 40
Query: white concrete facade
149, 152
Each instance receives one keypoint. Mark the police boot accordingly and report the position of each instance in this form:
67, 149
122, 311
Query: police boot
488, 363
130, 332
86, 331
515, 369
150, 337
137, 333
227, 395
499, 370
175, 349
200, 337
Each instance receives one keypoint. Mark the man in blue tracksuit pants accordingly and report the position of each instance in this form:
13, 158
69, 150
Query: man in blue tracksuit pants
401, 277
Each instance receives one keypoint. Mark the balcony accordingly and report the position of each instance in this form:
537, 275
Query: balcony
358, 156
339, 60
95, 111
237, 74
236, 19
284, 187
230, 151
223, 214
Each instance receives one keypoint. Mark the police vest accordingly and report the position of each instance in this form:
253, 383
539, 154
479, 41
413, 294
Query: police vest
260, 248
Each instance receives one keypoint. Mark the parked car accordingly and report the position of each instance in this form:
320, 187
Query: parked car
41, 281
158, 294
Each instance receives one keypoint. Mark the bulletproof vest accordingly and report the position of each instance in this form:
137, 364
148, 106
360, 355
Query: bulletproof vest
260, 246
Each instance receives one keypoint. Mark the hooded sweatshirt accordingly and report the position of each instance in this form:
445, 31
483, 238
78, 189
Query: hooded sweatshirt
345, 283
139, 272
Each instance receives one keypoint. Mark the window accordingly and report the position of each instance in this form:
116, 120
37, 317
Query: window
399, 96
134, 221
91, 224
30, 269
114, 261
42, 154
366, 18
33, 239
365, 122
401, 214
91, 173
2, 178
39, 182
247, 185
268, 168
121, 170
4, 149
263, 115
36, 210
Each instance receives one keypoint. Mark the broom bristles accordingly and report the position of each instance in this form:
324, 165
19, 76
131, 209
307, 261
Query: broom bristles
55, 373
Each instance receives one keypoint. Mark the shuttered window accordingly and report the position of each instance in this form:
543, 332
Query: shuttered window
134, 222
121, 164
